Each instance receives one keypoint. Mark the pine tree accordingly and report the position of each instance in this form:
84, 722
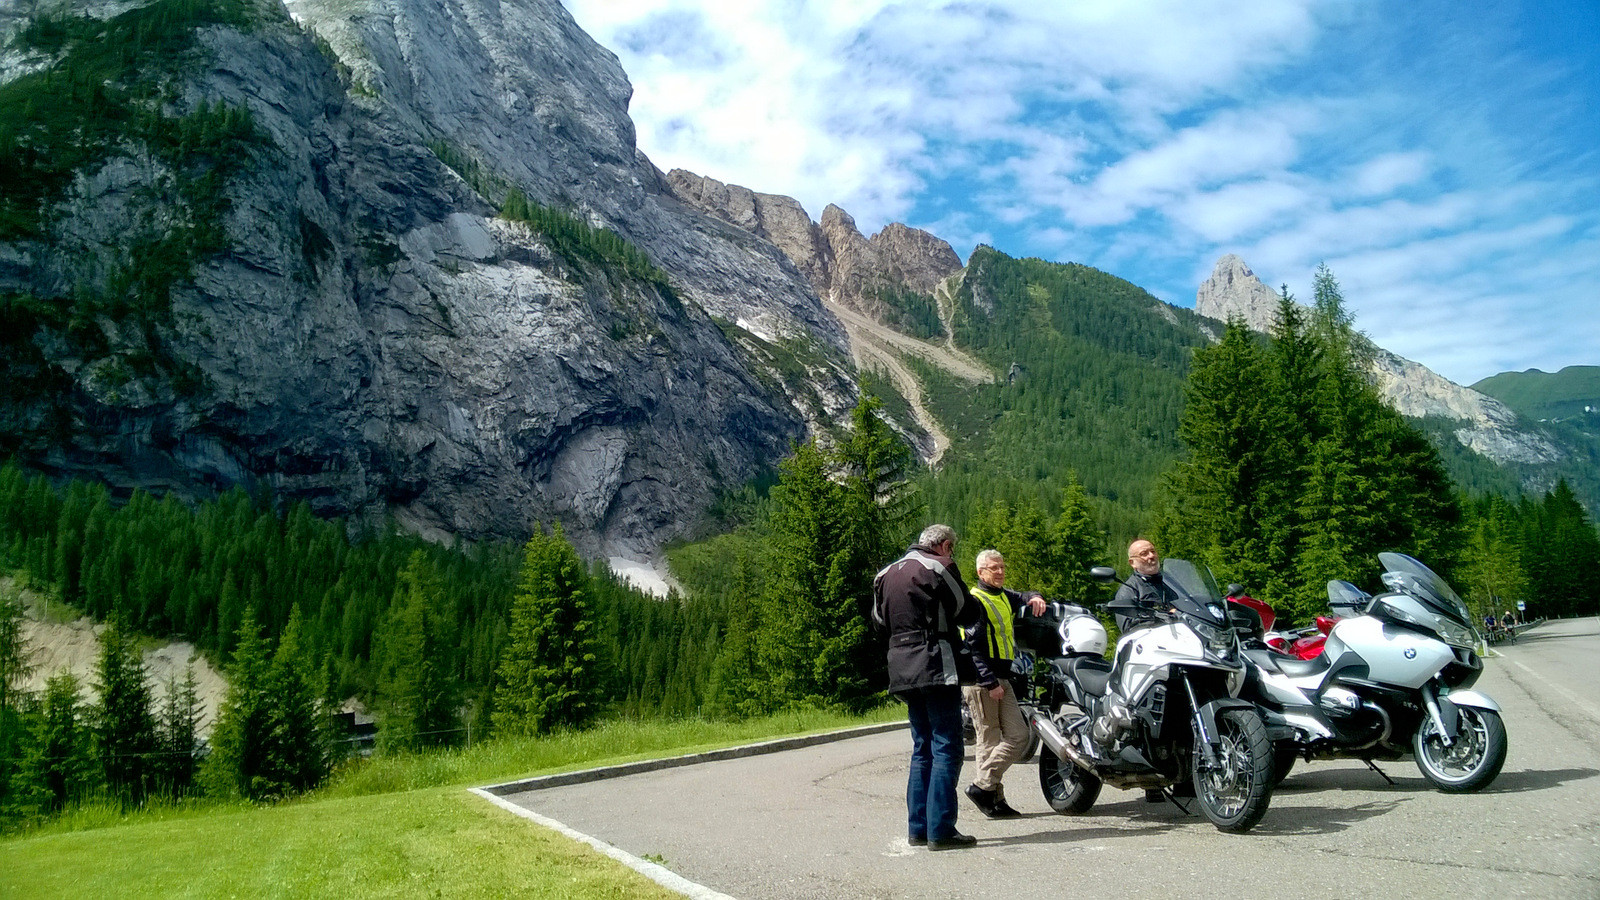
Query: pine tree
60, 766
301, 756
177, 733
242, 739
548, 674
125, 730
16, 660
1074, 547
417, 689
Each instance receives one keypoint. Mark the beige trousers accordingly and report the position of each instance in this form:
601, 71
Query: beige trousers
1002, 733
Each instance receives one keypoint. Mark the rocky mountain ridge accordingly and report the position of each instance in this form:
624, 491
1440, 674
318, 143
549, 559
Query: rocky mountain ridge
1485, 425
841, 265
375, 340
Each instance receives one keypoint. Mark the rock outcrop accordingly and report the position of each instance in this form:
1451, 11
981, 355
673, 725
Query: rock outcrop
841, 265
1233, 291
1486, 425
376, 341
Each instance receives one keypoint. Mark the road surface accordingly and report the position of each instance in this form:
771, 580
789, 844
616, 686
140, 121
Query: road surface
828, 821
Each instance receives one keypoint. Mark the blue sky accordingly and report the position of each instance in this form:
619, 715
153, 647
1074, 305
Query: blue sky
1443, 158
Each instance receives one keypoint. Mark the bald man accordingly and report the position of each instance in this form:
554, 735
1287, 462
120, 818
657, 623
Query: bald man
1143, 589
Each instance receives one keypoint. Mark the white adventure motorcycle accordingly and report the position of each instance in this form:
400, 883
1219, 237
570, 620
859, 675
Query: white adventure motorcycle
1164, 714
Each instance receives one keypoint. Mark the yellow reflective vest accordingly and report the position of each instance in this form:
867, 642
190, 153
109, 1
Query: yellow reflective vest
1002, 635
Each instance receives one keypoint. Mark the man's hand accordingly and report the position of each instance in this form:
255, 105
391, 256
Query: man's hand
997, 692
1036, 606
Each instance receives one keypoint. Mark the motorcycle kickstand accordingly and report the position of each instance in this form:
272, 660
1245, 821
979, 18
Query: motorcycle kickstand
1172, 798
1379, 771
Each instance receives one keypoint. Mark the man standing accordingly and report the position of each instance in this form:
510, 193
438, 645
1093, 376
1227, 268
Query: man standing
996, 715
922, 604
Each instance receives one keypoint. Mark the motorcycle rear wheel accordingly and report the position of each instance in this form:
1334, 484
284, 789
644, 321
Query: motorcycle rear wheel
1472, 761
1235, 794
1068, 789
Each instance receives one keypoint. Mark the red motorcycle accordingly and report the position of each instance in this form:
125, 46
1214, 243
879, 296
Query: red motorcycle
1303, 643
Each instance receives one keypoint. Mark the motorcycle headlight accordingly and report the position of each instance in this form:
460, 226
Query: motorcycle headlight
1217, 640
1456, 635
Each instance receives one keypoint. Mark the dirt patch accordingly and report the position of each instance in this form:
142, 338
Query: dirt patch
74, 646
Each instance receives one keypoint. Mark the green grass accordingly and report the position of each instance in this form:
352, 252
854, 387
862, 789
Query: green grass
387, 827
440, 842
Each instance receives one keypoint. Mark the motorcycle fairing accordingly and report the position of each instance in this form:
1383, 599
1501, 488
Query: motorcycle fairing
1405, 657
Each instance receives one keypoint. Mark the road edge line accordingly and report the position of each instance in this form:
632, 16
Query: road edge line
583, 776
653, 871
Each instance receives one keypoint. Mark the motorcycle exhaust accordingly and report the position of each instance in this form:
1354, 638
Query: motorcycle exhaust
1058, 743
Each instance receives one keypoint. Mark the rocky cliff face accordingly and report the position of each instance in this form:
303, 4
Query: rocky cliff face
1486, 425
841, 265
376, 341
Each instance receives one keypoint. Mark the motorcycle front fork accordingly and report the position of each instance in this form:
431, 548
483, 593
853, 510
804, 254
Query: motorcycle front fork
1430, 700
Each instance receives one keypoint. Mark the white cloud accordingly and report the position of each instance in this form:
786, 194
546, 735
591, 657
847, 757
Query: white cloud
1149, 136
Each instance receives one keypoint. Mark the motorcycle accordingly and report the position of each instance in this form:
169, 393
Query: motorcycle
1393, 680
1303, 643
1164, 713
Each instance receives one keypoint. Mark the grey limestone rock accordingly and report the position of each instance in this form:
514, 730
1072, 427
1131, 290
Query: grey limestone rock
375, 341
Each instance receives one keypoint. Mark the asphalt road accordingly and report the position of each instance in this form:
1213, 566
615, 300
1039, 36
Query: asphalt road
829, 821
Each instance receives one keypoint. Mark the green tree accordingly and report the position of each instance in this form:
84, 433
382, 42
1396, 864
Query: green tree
125, 730
60, 766
241, 741
300, 754
418, 693
178, 735
548, 675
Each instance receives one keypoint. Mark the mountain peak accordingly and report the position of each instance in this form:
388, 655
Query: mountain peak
1234, 291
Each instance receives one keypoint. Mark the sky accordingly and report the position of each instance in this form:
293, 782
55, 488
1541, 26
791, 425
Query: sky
1442, 158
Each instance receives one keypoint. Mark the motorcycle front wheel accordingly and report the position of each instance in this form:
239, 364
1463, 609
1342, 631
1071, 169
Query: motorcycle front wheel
1234, 794
1472, 761
1068, 789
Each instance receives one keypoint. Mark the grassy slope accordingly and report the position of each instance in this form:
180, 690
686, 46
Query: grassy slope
439, 842
402, 826
1544, 395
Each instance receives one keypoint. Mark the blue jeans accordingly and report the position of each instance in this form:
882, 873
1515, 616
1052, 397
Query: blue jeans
936, 756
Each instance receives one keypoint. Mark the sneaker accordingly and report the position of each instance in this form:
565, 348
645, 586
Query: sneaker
956, 841
982, 799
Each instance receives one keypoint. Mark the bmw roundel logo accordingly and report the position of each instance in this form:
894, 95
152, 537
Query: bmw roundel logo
1411, 653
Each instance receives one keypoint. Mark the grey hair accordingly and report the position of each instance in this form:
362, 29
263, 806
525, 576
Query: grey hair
934, 535
987, 556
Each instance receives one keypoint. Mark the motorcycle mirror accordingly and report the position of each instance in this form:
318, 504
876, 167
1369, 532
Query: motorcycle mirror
1235, 590
1103, 574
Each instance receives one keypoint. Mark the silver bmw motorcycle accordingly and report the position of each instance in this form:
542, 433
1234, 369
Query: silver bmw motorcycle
1394, 679
1163, 714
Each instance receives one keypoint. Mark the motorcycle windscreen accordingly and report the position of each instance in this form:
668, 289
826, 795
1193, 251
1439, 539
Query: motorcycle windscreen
1426, 586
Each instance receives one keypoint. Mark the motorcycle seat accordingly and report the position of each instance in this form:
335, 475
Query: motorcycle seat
1090, 672
1292, 666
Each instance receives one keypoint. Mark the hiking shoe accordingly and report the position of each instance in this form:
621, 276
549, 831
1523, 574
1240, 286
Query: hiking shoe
1003, 810
956, 841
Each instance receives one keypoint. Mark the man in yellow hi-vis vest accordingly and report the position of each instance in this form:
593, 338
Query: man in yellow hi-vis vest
996, 716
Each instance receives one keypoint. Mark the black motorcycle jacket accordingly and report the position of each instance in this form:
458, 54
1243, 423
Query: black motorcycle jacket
1137, 597
922, 604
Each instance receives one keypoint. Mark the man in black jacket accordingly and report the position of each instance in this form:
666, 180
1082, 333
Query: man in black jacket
1143, 590
922, 603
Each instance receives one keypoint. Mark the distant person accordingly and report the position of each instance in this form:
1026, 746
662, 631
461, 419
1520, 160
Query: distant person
1002, 732
922, 604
